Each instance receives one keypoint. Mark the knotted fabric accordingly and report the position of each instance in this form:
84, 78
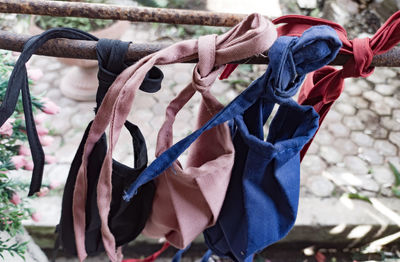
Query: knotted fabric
253, 35
19, 82
188, 200
322, 87
260, 206
126, 219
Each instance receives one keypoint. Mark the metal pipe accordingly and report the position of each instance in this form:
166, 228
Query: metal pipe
87, 50
130, 13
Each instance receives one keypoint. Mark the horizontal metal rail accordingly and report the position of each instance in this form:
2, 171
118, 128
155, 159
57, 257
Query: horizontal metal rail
130, 13
87, 50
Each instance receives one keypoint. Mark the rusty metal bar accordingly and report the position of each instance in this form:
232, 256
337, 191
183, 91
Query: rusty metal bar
87, 50
130, 13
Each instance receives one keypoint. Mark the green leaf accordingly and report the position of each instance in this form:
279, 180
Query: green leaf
396, 191
396, 174
359, 197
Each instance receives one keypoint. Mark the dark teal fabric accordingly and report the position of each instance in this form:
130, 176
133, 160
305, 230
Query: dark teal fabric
261, 203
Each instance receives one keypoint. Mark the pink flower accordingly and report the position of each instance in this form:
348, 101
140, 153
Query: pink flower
7, 128
50, 159
319, 257
49, 107
35, 74
39, 118
18, 161
36, 216
14, 53
46, 140
42, 131
43, 191
54, 184
15, 199
28, 165
23, 151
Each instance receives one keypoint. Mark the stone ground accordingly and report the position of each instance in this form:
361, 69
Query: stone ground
350, 154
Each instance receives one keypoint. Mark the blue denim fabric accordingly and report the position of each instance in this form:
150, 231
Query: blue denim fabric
261, 203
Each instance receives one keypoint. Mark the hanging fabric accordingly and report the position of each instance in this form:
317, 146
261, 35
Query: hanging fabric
253, 35
260, 206
189, 199
18, 82
266, 174
322, 87
126, 219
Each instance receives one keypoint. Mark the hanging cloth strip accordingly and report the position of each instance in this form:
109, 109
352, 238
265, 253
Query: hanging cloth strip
126, 220
322, 87
19, 82
253, 35
261, 202
150, 258
189, 199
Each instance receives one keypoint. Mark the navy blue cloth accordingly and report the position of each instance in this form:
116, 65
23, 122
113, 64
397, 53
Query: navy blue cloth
262, 198
261, 203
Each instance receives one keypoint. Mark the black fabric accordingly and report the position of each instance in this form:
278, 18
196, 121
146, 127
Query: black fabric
19, 82
126, 219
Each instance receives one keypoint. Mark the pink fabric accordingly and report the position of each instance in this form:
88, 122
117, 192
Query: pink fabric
253, 35
189, 200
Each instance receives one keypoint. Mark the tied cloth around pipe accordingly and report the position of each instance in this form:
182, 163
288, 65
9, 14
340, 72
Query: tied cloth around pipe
126, 220
322, 87
18, 82
188, 199
252, 36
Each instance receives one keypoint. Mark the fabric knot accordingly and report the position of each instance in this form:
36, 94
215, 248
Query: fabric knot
205, 72
359, 64
322, 87
293, 57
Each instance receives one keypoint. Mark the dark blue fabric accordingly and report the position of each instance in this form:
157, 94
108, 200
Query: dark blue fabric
206, 256
261, 202
179, 254
262, 198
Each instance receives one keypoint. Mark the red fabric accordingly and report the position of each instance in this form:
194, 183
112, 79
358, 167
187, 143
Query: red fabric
229, 68
322, 87
151, 258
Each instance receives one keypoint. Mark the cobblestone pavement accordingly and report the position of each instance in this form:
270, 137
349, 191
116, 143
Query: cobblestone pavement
357, 140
